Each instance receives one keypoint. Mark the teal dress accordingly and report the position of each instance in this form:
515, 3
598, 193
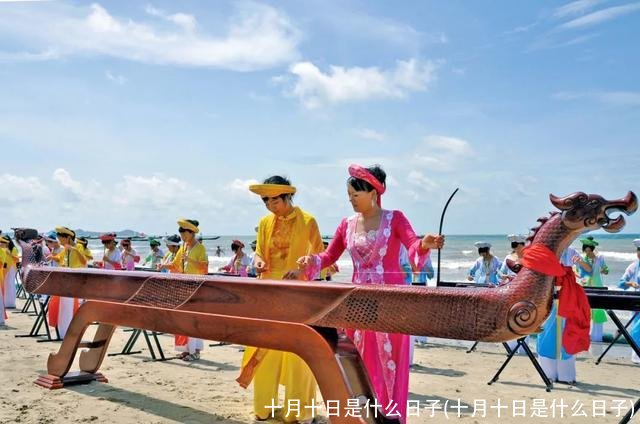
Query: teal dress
594, 279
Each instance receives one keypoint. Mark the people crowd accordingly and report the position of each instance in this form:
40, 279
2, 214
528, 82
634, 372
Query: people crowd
384, 250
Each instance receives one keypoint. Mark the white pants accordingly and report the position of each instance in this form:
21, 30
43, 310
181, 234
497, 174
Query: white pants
65, 315
10, 288
1, 308
192, 345
596, 332
562, 370
412, 343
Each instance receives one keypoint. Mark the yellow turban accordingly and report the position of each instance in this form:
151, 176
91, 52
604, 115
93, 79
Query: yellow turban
65, 231
184, 223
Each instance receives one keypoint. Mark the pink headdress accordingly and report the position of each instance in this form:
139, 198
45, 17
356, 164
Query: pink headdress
356, 171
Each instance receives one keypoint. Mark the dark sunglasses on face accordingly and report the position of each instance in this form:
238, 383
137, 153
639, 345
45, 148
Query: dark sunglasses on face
184, 230
61, 235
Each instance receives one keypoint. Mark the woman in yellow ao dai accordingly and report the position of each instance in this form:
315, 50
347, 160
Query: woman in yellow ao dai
283, 234
61, 309
191, 258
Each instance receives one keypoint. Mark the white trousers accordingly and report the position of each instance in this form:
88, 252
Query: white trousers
562, 370
596, 332
10, 288
412, 343
1, 308
192, 345
65, 315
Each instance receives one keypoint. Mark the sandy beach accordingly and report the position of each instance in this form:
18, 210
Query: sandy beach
143, 391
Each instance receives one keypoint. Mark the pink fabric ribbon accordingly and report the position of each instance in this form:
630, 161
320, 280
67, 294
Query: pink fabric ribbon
361, 173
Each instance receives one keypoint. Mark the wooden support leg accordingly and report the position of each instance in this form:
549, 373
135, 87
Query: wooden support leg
58, 364
337, 366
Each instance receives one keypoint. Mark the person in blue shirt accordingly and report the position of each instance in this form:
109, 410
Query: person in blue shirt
485, 269
630, 280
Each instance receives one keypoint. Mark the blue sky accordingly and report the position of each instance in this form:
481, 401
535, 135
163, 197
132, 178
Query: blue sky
130, 114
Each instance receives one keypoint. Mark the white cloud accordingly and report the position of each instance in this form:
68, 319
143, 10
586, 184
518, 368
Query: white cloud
459, 71
74, 191
316, 88
418, 179
525, 185
160, 192
17, 189
184, 20
552, 40
601, 16
149, 202
369, 134
613, 98
575, 8
523, 28
346, 23
440, 153
239, 189
448, 145
49, 54
118, 79
257, 37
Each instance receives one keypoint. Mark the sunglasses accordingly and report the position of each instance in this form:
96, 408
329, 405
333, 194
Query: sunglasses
62, 235
184, 230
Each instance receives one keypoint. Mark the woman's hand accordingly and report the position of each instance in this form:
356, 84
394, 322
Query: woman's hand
303, 262
260, 265
433, 241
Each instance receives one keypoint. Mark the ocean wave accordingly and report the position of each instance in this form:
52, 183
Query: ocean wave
619, 256
457, 264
